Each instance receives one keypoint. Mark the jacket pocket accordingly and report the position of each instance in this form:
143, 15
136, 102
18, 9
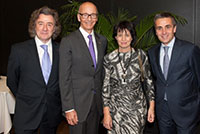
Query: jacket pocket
188, 99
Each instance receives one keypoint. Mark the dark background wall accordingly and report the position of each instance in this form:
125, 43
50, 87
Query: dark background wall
15, 16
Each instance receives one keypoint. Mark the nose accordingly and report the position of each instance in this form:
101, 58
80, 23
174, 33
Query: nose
164, 31
44, 27
123, 37
89, 17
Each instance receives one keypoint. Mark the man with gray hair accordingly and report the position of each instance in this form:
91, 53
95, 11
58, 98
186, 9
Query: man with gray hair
176, 69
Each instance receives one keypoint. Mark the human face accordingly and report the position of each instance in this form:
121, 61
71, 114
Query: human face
165, 30
87, 23
124, 39
45, 27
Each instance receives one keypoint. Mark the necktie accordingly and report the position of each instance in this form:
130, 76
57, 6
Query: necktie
165, 62
165, 67
91, 49
46, 63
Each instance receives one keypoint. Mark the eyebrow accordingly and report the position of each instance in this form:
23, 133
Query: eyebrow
44, 22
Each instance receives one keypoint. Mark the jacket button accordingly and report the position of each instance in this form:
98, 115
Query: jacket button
93, 90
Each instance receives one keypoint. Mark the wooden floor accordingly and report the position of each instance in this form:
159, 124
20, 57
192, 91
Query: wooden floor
63, 128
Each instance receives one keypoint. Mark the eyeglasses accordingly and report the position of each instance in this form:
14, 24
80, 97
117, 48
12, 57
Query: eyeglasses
85, 15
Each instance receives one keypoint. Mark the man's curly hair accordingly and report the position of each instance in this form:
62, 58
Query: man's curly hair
46, 11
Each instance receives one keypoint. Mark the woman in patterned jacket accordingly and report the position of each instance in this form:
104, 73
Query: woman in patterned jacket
125, 105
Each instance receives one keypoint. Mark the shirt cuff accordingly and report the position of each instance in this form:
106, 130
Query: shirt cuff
69, 110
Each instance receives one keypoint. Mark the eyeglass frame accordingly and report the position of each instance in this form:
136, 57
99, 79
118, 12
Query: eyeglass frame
87, 15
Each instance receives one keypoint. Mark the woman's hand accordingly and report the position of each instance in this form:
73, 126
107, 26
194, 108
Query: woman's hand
151, 112
107, 120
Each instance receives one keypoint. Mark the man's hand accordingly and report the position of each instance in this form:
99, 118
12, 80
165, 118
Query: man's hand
71, 117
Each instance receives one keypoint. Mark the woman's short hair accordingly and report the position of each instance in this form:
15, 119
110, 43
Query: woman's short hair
46, 11
125, 25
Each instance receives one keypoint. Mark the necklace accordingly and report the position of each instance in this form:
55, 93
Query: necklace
124, 68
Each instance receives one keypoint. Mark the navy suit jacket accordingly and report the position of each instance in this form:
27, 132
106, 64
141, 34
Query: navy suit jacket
183, 82
33, 96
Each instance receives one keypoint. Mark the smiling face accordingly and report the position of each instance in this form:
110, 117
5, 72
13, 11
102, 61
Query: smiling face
87, 23
124, 40
44, 27
165, 29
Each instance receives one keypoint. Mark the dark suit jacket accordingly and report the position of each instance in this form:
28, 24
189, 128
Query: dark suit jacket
78, 77
183, 82
33, 96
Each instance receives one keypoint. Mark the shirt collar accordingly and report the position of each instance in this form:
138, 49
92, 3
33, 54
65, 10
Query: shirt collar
85, 34
170, 44
39, 42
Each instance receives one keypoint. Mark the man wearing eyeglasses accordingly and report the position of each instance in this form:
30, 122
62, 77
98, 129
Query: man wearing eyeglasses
81, 73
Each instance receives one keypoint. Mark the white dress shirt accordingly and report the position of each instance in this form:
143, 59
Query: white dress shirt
40, 50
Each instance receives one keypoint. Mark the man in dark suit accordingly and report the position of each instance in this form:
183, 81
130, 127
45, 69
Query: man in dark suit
176, 69
81, 73
32, 76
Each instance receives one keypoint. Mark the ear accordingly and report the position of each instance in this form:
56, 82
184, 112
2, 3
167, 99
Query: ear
79, 17
174, 29
54, 28
116, 37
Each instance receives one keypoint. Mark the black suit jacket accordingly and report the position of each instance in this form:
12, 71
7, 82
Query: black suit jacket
183, 82
79, 80
33, 96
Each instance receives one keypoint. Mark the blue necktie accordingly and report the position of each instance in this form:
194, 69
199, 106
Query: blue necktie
165, 66
46, 64
91, 49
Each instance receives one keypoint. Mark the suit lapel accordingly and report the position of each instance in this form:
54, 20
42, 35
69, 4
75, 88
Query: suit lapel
84, 46
174, 57
157, 52
99, 52
86, 50
33, 51
55, 60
